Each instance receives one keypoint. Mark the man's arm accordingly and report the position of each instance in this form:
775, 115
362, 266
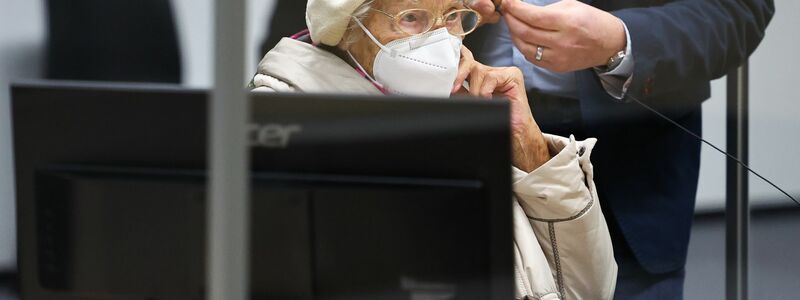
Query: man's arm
679, 45
686, 42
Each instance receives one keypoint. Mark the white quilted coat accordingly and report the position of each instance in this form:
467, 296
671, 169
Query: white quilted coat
562, 248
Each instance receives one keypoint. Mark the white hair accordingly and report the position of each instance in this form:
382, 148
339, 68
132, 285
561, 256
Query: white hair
361, 13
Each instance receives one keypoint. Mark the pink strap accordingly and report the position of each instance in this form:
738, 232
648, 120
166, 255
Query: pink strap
300, 34
305, 32
380, 88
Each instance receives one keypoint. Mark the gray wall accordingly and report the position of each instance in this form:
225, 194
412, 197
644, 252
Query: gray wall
774, 122
195, 27
21, 36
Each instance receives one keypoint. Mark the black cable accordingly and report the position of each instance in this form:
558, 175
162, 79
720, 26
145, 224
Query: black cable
704, 141
498, 10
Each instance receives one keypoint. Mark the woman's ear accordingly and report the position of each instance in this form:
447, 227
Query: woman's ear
342, 46
360, 47
351, 37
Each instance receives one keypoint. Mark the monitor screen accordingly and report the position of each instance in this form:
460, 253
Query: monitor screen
352, 197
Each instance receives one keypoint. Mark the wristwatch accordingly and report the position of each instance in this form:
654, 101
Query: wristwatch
615, 60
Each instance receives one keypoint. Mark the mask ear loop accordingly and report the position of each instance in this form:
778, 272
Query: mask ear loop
360, 68
391, 52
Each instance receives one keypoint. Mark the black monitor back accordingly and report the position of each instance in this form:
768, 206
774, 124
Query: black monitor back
352, 197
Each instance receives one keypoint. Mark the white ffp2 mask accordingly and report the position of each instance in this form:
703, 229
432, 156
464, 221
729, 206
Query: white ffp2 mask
420, 65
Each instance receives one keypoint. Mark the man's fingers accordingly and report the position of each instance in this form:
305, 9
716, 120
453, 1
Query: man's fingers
490, 19
529, 34
544, 17
549, 55
527, 49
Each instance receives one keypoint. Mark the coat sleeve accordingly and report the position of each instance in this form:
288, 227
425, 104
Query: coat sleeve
684, 43
533, 278
266, 83
560, 201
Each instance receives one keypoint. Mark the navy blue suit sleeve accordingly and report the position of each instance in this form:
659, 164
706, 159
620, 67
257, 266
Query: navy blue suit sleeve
685, 43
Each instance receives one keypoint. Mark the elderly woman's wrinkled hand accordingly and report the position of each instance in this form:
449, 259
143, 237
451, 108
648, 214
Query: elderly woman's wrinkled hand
487, 9
528, 145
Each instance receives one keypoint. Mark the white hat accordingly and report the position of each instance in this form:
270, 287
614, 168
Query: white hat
327, 20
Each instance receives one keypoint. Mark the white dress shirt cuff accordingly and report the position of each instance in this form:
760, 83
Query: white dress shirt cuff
616, 81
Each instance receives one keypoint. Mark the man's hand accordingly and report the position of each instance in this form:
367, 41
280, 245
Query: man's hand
529, 149
574, 35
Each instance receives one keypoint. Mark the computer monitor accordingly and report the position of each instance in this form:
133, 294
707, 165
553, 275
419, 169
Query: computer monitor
353, 197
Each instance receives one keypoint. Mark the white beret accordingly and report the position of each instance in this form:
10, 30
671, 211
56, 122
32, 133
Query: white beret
327, 20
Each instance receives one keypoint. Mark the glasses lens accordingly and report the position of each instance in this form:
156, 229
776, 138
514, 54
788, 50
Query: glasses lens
414, 21
462, 22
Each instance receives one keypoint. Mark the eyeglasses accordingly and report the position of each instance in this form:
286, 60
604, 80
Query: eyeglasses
459, 22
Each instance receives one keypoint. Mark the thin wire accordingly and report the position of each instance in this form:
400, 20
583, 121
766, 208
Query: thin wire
706, 142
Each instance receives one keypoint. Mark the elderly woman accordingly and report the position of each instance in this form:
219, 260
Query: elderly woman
413, 47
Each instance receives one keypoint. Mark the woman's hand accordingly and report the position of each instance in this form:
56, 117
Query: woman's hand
487, 9
528, 145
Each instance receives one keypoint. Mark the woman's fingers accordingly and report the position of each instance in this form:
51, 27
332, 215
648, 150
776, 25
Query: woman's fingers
487, 10
465, 67
490, 83
487, 81
493, 81
476, 78
499, 82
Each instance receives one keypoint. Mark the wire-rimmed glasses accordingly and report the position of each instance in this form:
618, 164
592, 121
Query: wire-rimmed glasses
459, 22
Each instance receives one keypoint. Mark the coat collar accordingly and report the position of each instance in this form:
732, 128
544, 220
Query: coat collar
313, 70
